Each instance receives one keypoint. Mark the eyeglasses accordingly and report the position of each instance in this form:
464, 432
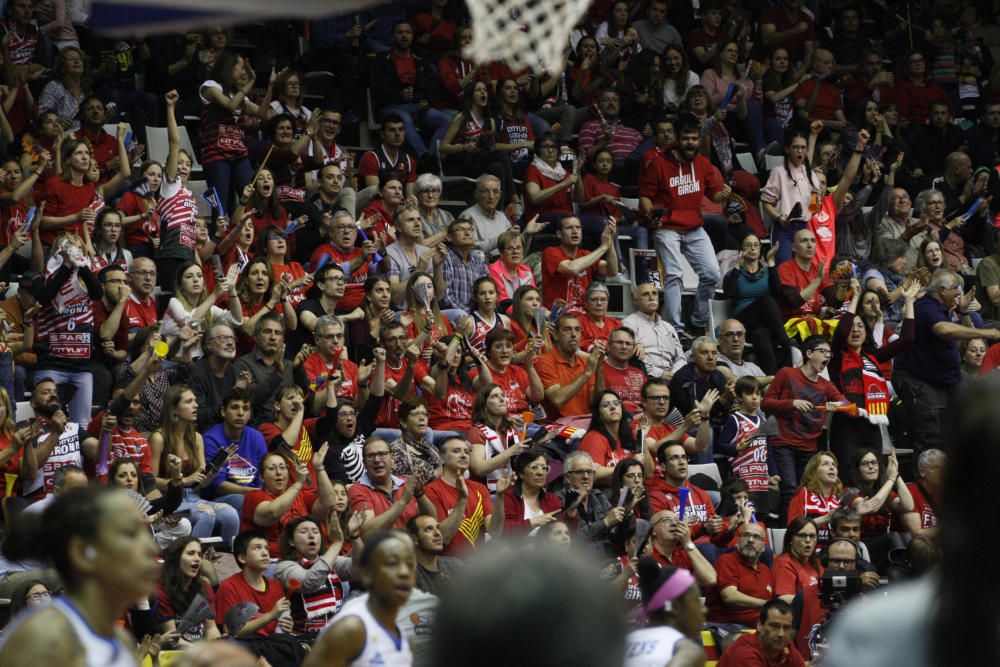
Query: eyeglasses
372, 456
658, 398
225, 338
275, 467
539, 468
734, 334
936, 202
806, 537
869, 464
145, 274
342, 228
633, 476
843, 562
584, 473
825, 351
38, 597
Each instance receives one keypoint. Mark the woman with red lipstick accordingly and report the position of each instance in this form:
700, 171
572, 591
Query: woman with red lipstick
102, 548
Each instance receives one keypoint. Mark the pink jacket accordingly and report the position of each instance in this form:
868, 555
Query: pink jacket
507, 284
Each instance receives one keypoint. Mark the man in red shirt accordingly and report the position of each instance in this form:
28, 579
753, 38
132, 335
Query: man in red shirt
330, 357
672, 546
818, 99
804, 287
926, 494
355, 261
388, 501
250, 585
140, 309
617, 372
744, 584
698, 512
454, 496
568, 270
772, 645
108, 312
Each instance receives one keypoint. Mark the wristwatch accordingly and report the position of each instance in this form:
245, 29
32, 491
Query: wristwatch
689, 546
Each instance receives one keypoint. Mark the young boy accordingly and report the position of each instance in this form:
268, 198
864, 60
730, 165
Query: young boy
746, 445
240, 475
250, 585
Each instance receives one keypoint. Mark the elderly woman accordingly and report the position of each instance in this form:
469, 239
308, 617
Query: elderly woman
509, 272
427, 189
412, 453
930, 206
597, 325
885, 276
528, 506
71, 84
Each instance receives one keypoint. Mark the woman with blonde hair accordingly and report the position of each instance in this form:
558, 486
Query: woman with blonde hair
819, 494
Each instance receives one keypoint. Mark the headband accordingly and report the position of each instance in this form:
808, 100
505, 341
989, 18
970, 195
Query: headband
670, 590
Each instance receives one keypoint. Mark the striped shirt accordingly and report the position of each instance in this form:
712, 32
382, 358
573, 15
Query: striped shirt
221, 134
459, 276
177, 209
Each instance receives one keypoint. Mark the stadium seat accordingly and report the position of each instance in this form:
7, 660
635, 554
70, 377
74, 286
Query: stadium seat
776, 536
708, 469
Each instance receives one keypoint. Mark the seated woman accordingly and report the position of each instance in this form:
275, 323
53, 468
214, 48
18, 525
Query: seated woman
885, 277
494, 438
798, 566
548, 188
283, 499
526, 300
484, 317
818, 496
879, 494
324, 575
527, 507
750, 286
260, 293
470, 142
413, 453
597, 195
449, 387
286, 146
434, 220
609, 438
515, 128
417, 318
124, 474
274, 246
192, 306
186, 574
597, 325
509, 272
520, 383
973, 352
261, 198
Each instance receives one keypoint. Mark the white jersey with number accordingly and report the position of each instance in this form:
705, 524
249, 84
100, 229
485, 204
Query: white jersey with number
651, 647
381, 648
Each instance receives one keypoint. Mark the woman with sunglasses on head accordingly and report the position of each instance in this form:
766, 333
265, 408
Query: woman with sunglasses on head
528, 506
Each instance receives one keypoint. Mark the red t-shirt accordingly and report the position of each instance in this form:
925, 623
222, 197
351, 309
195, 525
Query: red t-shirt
560, 202
101, 314
791, 275
301, 506
663, 496
478, 509
235, 590
791, 576
569, 288
807, 503
454, 411
354, 287
823, 225
406, 68
362, 496
130, 444
388, 413
626, 383
828, 101
593, 186
747, 652
798, 430
514, 382
730, 570
923, 506
315, 366
601, 451
592, 332
62, 198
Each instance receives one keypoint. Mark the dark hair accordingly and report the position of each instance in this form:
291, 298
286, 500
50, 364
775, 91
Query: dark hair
269, 316
624, 437
497, 335
18, 595
651, 577
732, 486
843, 514
327, 268
521, 462
372, 543
747, 384
109, 269
479, 409
795, 527
391, 118
885, 250
242, 542
76, 514
285, 545
778, 605
237, 394
814, 341
687, 124
118, 463
543, 138
408, 405
654, 382
222, 70
180, 591
618, 482
789, 138
867, 489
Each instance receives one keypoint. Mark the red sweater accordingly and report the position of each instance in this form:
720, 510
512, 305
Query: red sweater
798, 430
677, 188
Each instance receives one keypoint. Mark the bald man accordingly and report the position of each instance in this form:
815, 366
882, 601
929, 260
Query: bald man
818, 99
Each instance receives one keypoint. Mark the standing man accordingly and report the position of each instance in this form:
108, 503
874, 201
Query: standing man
674, 182
927, 373
568, 378
655, 34
568, 270
663, 352
453, 495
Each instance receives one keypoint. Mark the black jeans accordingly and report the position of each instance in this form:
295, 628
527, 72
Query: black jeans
790, 463
923, 404
766, 331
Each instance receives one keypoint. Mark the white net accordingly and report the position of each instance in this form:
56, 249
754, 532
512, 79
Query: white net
523, 33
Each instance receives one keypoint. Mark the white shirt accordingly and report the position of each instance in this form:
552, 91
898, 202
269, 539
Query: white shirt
651, 647
381, 649
487, 229
664, 351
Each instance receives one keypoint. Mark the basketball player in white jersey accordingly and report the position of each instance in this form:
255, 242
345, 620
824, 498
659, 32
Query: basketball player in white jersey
365, 633
674, 613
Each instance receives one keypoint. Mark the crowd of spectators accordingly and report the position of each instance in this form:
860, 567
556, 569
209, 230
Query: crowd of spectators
291, 288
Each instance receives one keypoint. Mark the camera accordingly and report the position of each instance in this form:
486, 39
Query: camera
837, 587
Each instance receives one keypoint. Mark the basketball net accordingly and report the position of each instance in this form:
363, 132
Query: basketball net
530, 34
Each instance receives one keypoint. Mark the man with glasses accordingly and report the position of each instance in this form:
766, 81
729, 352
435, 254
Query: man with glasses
619, 373
927, 373
140, 309
214, 373
109, 319
331, 196
845, 524
672, 546
732, 344
355, 261
330, 362
658, 423
331, 283
586, 508
796, 399
386, 500
896, 221
455, 497
744, 582
461, 268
